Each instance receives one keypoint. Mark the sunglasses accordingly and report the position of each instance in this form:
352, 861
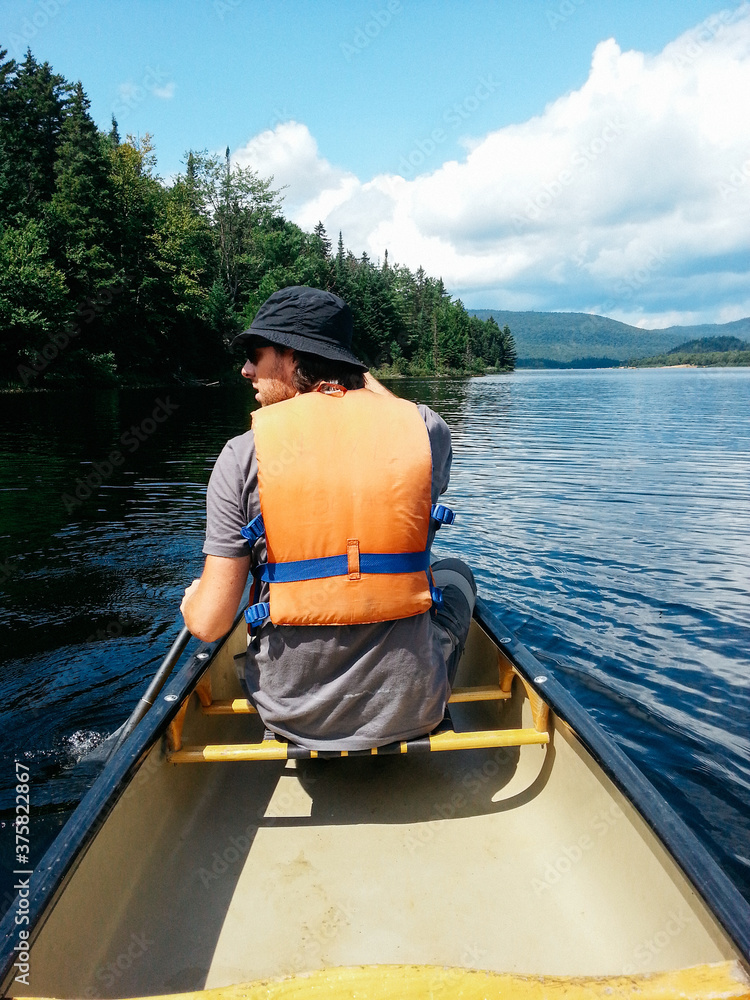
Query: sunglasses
251, 351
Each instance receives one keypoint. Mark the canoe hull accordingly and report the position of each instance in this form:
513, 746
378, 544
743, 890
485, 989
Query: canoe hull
526, 860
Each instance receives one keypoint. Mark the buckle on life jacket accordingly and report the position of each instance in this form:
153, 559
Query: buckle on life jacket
256, 614
437, 596
442, 514
254, 530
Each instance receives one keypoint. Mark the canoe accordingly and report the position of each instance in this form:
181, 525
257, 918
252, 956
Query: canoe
517, 852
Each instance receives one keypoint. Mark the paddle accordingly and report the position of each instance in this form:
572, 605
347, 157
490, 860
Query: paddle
119, 736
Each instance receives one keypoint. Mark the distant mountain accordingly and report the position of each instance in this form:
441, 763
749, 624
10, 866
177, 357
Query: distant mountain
696, 359
710, 344
566, 337
706, 352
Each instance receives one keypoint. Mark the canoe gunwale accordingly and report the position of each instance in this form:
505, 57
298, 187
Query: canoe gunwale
728, 905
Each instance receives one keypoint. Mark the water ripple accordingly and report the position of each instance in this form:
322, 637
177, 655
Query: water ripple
605, 514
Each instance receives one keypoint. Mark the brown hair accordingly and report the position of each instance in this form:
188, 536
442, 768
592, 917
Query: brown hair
310, 370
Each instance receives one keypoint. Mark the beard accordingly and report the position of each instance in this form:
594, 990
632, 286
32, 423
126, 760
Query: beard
273, 390
276, 385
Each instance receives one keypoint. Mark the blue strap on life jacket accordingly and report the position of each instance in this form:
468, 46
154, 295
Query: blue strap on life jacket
369, 562
442, 514
318, 569
254, 530
256, 614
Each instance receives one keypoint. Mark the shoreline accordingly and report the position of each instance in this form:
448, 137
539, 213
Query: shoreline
18, 390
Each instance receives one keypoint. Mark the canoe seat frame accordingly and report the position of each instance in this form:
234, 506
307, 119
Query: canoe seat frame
442, 738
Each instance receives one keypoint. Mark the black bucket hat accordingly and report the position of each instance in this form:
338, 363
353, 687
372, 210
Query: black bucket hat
305, 319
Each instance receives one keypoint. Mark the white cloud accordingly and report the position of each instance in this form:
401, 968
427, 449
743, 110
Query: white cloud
290, 154
128, 91
166, 92
154, 83
629, 196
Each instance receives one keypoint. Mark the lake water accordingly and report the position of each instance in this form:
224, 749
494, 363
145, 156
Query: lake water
605, 513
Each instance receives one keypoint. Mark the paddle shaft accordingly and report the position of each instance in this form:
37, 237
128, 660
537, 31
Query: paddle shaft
157, 683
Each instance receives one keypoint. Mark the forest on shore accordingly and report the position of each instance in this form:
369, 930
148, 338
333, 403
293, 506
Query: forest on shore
111, 276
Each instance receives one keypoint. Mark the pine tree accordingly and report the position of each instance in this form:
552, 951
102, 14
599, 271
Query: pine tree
508, 362
323, 241
79, 211
32, 302
9, 124
341, 272
32, 116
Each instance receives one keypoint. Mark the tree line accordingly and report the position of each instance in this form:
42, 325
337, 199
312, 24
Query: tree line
696, 359
108, 275
705, 352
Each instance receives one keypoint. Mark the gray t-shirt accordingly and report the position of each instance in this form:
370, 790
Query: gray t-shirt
330, 687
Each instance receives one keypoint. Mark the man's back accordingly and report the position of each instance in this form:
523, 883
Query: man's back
322, 685
376, 671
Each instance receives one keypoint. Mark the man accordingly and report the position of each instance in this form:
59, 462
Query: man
351, 646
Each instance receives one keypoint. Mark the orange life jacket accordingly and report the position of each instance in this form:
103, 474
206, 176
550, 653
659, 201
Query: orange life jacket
344, 481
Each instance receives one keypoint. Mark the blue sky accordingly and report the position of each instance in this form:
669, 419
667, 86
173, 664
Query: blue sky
573, 154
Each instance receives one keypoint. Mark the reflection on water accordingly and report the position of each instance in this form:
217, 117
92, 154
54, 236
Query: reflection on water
605, 514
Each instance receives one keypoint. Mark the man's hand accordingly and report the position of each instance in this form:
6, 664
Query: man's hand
210, 603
